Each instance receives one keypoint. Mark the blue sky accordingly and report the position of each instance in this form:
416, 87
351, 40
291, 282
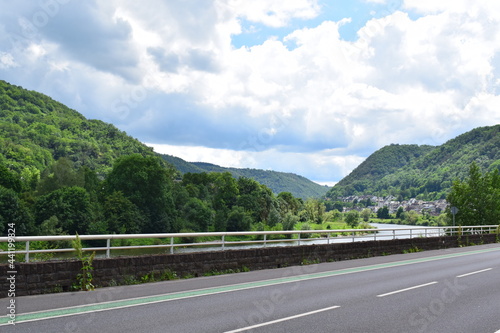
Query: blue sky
311, 87
359, 12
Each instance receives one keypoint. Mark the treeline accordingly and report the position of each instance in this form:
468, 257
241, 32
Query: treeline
142, 195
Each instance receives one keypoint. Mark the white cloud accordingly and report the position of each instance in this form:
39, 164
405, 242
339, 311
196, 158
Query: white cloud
309, 102
275, 13
6, 60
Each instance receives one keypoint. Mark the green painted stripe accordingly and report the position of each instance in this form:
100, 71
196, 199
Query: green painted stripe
20, 318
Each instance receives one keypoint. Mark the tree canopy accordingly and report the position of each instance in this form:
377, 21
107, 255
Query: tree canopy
477, 198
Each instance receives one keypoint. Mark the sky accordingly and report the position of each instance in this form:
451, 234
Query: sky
311, 87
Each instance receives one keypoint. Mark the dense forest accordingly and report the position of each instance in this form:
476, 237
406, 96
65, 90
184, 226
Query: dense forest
35, 131
423, 172
61, 173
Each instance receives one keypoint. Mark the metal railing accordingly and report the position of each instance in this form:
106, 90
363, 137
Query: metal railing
267, 238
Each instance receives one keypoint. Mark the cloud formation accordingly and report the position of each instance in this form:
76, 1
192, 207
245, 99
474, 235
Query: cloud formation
306, 99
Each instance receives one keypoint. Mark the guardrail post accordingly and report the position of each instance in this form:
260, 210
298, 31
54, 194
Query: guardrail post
298, 240
411, 234
108, 247
328, 239
393, 234
171, 245
223, 242
265, 239
353, 235
27, 255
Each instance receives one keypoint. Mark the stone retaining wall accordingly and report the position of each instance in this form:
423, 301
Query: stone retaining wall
45, 277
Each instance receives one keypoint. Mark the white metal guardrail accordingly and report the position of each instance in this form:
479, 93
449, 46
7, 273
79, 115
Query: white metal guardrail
326, 237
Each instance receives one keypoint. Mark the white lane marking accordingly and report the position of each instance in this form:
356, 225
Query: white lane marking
406, 289
283, 319
476, 272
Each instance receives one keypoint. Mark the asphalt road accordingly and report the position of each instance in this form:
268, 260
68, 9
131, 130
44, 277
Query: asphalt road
454, 290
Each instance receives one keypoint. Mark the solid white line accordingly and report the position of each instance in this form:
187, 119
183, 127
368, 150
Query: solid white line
282, 319
406, 289
476, 272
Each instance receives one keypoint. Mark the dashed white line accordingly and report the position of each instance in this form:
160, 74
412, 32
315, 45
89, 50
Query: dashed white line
476, 272
406, 289
282, 319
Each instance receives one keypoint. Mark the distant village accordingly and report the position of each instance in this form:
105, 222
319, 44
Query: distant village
433, 208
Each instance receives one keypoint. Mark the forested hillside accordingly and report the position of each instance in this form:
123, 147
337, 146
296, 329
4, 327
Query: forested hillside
35, 131
277, 181
63, 174
426, 172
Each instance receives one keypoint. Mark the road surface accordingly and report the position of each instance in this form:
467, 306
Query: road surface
454, 290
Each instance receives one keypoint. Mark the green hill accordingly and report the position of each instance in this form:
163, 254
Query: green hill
36, 130
426, 172
278, 182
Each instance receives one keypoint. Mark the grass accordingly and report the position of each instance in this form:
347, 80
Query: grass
412, 250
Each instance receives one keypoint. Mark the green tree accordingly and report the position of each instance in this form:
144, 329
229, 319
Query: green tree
13, 210
121, 216
399, 212
411, 217
221, 220
383, 213
289, 221
365, 214
352, 218
9, 180
477, 198
71, 206
147, 184
238, 220
315, 209
225, 190
198, 215
30, 176
288, 203
61, 174
274, 217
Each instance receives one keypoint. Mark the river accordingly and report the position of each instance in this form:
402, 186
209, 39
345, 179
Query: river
398, 232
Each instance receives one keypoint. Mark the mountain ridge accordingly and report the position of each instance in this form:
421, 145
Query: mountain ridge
277, 181
426, 172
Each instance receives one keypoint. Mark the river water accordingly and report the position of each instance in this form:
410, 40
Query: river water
397, 232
